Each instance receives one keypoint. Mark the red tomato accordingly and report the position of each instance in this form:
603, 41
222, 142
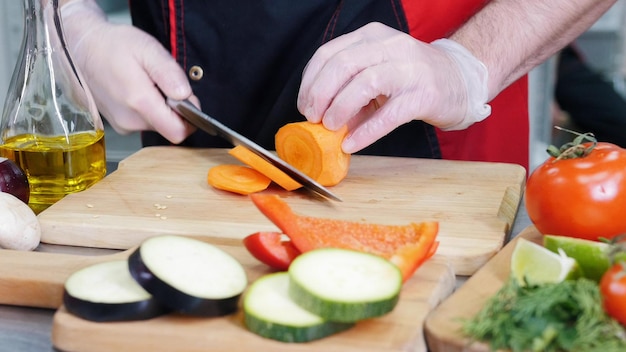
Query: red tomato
613, 290
270, 249
580, 197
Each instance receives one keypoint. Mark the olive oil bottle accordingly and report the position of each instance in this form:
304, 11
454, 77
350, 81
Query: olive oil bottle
50, 125
54, 172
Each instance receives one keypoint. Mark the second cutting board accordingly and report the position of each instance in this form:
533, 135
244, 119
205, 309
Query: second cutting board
163, 190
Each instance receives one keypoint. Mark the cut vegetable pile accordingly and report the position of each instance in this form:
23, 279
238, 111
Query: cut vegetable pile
309, 147
338, 272
325, 291
165, 273
247, 157
407, 246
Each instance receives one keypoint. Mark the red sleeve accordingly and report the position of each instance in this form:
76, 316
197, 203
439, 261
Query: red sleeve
502, 137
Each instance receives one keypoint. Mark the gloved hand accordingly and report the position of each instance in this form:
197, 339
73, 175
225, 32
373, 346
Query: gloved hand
123, 66
378, 78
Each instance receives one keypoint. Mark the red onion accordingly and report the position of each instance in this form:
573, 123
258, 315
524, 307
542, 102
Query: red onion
13, 180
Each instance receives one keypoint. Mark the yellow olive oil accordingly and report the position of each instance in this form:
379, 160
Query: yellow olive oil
58, 165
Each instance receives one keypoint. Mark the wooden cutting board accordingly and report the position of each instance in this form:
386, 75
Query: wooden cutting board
401, 330
36, 279
443, 324
163, 190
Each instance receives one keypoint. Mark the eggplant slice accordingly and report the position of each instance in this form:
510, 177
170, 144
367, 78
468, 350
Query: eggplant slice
107, 292
189, 276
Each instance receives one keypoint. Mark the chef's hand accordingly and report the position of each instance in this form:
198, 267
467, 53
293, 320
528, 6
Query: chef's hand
123, 66
377, 78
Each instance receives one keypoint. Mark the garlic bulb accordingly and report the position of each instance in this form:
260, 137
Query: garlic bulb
19, 226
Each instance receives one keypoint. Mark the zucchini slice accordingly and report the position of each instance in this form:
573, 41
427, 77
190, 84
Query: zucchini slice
189, 276
106, 292
269, 312
344, 285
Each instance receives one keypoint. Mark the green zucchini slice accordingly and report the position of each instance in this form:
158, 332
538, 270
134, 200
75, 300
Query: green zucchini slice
344, 285
269, 312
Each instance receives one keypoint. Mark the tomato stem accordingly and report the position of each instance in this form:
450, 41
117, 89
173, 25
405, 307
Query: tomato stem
617, 251
577, 148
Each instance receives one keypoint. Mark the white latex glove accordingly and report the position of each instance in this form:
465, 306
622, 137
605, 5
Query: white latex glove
377, 78
123, 66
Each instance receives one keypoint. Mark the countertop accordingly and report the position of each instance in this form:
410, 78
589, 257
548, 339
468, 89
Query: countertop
28, 329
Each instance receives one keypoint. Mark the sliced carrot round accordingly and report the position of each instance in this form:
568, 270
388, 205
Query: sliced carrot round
314, 150
237, 178
247, 157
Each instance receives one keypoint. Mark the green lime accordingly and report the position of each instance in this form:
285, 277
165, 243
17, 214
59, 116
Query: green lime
533, 264
591, 256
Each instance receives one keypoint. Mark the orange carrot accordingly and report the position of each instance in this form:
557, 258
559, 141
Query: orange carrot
407, 246
314, 150
247, 157
237, 179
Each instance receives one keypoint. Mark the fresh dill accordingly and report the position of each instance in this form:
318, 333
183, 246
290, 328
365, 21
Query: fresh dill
567, 316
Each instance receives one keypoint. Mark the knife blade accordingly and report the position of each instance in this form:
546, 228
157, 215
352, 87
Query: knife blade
215, 128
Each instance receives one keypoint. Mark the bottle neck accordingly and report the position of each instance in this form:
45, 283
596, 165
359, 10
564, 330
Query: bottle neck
46, 97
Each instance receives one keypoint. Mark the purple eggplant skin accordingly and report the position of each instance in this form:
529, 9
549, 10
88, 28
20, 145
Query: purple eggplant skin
111, 312
173, 298
13, 180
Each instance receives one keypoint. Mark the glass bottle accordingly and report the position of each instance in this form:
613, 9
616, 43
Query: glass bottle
50, 125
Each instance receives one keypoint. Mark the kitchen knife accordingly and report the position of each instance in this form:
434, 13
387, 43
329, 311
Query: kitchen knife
215, 128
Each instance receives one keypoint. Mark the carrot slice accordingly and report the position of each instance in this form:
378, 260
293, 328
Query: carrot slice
314, 150
237, 178
247, 157
407, 246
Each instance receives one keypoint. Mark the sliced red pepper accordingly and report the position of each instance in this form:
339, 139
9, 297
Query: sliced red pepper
269, 248
433, 250
407, 246
411, 256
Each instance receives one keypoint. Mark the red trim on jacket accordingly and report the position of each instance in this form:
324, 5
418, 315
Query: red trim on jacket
173, 28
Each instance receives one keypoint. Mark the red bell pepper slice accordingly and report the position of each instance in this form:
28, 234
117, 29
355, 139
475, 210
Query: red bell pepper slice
407, 246
269, 248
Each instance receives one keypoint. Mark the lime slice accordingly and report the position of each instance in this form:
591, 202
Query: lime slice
535, 265
592, 256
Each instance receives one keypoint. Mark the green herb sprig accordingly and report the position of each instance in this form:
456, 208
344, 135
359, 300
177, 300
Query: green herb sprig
567, 316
